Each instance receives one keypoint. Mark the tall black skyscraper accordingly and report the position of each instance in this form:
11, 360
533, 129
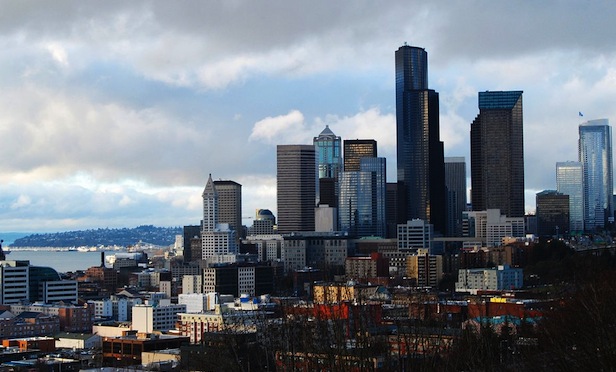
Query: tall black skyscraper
455, 182
421, 170
497, 154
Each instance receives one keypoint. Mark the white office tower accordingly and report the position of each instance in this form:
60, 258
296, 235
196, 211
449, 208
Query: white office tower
490, 227
218, 241
195, 302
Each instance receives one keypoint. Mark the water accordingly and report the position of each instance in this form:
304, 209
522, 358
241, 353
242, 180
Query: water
61, 261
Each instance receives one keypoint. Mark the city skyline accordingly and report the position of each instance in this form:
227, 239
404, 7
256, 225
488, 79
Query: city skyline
113, 115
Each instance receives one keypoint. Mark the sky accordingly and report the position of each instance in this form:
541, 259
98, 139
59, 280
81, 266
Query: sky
113, 113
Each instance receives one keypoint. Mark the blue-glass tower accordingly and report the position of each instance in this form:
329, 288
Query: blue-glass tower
420, 158
595, 154
362, 199
570, 181
328, 152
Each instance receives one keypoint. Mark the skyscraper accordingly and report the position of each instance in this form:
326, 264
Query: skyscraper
497, 154
570, 181
356, 149
328, 149
218, 240
362, 199
230, 204
455, 182
295, 179
421, 171
595, 154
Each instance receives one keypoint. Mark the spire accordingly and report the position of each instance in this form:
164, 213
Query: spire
210, 205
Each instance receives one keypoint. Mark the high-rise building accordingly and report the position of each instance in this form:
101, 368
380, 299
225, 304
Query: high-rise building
296, 180
356, 149
595, 154
552, 213
570, 181
455, 182
497, 154
391, 209
358, 204
363, 198
328, 149
421, 170
230, 204
218, 240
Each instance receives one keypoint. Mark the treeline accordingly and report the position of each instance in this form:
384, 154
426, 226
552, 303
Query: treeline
94, 237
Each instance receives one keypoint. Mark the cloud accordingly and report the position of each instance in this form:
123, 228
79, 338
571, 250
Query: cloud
125, 107
58, 53
281, 129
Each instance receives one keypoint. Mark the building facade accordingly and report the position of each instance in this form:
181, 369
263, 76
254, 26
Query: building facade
497, 154
14, 280
354, 150
500, 278
161, 316
218, 240
296, 183
455, 183
570, 181
415, 234
420, 154
595, 154
490, 227
230, 204
552, 213
328, 148
425, 269
363, 199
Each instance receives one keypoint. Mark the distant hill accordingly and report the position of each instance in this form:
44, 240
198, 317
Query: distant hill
121, 237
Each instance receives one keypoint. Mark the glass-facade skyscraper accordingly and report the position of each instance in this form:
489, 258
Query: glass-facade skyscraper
362, 199
355, 150
497, 154
570, 181
595, 154
420, 159
328, 148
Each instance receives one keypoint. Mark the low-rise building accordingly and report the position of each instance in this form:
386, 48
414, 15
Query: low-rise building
29, 324
363, 269
500, 278
72, 318
68, 340
127, 350
160, 317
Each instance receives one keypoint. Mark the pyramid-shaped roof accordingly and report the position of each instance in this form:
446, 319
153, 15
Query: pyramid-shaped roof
327, 132
209, 187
